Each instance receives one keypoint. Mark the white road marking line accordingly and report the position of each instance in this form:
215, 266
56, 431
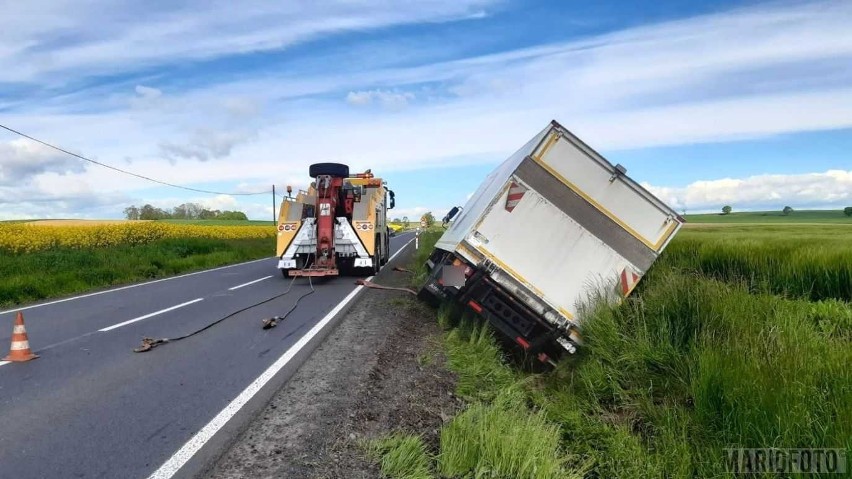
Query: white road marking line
185, 453
131, 286
399, 250
140, 318
3, 363
250, 282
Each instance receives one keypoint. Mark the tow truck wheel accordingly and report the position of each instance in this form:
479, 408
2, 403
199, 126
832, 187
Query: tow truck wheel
331, 169
386, 251
377, 256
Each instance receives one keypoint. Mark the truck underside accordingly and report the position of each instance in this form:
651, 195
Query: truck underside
497, 304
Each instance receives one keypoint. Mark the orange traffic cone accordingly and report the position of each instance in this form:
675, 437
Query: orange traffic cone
20, 344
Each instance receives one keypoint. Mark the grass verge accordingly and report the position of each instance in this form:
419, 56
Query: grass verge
63, 271
700, 358
402, 456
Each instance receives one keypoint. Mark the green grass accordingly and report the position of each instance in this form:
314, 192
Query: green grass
804, 216
220, 222
799, 261
402, 457
59, 272
503, 438
737, 337
428, 238
473, 354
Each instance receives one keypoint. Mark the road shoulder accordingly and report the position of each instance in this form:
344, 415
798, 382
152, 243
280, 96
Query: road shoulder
381, 370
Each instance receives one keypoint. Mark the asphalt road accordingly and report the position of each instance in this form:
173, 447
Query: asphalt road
90, 407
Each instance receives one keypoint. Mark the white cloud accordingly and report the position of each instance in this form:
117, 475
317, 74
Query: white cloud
414, 213
41, 38
746, 73
148, 92
391, 100
21, 161
829, 189
220, 202
205, 144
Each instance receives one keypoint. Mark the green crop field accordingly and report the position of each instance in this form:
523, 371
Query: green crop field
220, 222
804, 216
739, 336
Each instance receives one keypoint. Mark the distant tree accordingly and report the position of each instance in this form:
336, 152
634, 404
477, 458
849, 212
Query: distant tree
180, 212
395, 220
232, 215
405, 221
193, 211
131, 213
185, 211
147, 212
429, 218
726, 210
787, 210
847, 211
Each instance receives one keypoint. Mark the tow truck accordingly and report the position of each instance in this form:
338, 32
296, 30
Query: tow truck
338, 226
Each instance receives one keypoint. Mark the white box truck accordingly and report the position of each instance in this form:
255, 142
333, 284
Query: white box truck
553, 227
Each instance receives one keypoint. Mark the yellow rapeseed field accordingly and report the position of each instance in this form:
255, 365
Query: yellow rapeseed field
32, 237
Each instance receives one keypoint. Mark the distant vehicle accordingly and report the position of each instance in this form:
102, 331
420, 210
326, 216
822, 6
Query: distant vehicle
553, 227
395, 229
339, 226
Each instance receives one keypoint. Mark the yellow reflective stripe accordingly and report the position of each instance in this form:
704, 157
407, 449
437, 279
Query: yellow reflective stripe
666, 235
594, 203
511, 271
472, 253
549, 143
461, 248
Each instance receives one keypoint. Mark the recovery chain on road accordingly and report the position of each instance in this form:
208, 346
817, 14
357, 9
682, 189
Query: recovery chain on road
151, 343
370, 284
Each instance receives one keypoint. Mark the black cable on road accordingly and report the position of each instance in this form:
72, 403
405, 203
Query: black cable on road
150, 343
147, 178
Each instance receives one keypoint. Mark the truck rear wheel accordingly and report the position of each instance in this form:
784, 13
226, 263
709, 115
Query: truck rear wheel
331, 169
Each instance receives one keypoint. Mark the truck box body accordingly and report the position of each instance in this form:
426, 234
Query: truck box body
554, 226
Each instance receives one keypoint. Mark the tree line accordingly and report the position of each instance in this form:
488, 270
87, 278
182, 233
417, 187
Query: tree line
726, 210
186, 211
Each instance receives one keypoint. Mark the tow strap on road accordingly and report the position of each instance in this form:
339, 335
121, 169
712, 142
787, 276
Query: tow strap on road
370, 284
151, 343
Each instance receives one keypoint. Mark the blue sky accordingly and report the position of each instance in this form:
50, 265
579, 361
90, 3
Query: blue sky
706, 103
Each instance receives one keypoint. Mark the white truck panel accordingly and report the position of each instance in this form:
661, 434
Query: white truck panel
591, 179
578, 226
482, 198
548, 252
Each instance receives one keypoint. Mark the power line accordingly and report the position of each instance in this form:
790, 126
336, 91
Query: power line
197, 190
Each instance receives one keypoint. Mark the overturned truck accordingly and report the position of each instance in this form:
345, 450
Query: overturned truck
553, 227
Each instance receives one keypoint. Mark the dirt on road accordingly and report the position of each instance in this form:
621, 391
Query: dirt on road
381, 371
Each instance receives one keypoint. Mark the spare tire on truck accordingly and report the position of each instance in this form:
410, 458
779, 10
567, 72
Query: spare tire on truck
331, 169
